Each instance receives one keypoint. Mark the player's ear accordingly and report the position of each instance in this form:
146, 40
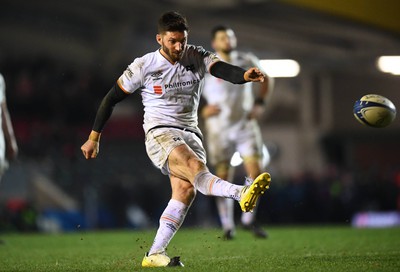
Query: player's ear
159, 39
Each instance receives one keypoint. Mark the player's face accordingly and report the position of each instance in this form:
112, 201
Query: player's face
173, 44
224, 41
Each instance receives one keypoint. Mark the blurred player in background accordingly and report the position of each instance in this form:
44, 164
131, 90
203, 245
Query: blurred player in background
169, 81
230, 114
8, 143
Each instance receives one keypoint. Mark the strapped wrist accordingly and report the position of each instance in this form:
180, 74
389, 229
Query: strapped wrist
94, 136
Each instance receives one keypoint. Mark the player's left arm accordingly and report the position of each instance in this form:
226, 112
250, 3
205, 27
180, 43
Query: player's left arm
235, 74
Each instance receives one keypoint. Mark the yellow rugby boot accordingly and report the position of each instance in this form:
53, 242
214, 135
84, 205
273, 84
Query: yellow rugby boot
251, 193
160, 260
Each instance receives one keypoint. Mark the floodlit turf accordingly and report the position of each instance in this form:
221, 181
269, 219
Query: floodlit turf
287, 249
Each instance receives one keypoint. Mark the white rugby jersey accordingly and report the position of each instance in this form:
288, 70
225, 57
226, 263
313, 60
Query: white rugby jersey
170, 92
234, 100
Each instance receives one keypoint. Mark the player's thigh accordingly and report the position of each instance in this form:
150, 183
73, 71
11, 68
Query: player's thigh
185, 161
196, 145
159, 144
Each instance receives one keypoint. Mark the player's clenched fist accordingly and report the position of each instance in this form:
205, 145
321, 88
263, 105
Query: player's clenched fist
90, 148
254, 74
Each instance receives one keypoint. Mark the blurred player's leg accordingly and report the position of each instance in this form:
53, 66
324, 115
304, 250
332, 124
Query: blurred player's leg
225, 206
226, 215
248, 220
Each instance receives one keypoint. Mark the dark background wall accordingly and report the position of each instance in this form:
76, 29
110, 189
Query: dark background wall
60, 57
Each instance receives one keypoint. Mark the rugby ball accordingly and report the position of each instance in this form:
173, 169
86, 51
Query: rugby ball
374, 110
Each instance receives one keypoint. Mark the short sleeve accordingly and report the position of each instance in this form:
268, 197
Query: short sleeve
131, 79
209, 59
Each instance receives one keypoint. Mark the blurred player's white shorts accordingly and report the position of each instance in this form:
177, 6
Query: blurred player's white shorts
244, 137
161, 141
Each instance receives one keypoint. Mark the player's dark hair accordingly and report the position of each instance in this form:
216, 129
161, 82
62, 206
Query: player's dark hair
217, 29
172, 21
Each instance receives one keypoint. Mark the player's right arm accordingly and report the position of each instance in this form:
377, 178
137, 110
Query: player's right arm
235, 74
90, 148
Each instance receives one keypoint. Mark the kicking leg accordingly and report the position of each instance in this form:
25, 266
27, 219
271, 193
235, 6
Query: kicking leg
184, 163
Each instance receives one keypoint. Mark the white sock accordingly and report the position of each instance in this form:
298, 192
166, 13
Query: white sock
170, 221
209, 184
226, 213
248, 181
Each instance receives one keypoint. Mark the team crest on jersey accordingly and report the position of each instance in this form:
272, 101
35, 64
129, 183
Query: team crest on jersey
156, 75
157, 89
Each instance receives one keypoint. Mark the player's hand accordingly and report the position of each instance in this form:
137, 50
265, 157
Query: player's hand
90, 148
254, 75
210, 110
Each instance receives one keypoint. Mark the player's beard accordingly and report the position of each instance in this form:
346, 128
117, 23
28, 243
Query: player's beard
174, 56
227, 50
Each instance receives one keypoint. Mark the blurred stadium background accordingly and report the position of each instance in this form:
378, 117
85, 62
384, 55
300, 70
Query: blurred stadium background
60, 57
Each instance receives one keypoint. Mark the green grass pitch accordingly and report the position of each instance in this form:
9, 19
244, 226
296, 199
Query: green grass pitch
326, 248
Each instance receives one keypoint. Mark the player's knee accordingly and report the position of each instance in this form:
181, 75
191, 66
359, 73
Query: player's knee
191, 193
185, 193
